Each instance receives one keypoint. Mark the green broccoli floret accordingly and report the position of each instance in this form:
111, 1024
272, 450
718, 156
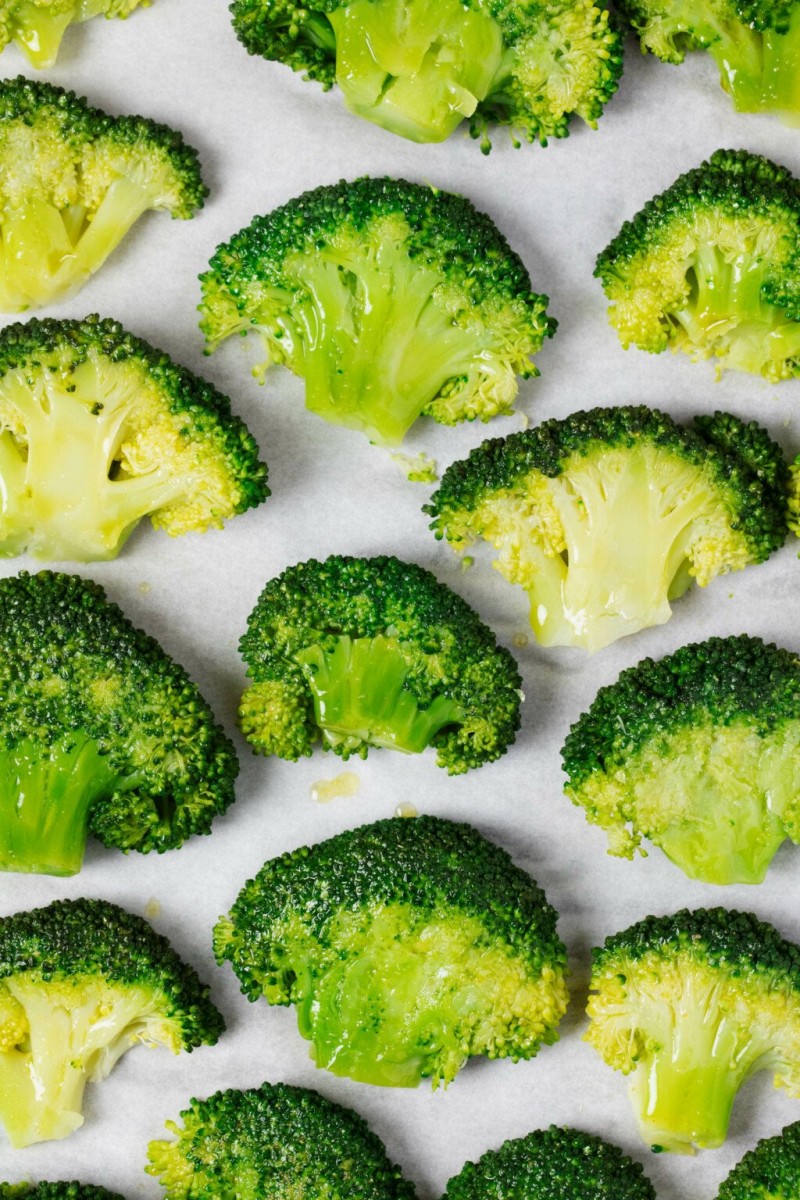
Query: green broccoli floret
98, 430
755, 44
55, 1191
390, 299
419, 69
711, 267
700, 753
37, 26
82, 981
73, 180
375, 652
771, 1171
408, 946
690, 1006
552, 1164
100, 732
271, 1143
608, 515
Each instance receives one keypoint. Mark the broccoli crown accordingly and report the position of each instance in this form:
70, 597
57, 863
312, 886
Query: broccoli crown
711, 267
56, 1190
36, 27
551, 1164
375, 651
98, 430
407, 945
689, 1006
391, 299
697, 752
557, 501
419, 70
74, 181
269, 1142
81, 981
771, 1171
98, 727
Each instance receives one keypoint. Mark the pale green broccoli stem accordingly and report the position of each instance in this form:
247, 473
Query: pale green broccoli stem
360, 697
782, 69
38, 30
760, 70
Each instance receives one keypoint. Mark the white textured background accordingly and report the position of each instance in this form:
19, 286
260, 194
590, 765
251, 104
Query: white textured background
264, 136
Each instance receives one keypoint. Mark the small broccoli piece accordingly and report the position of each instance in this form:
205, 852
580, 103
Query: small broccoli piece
37, 26
82, 981
755, 44
375, 652
700, 753
689, 1006
608, 515
419, 69
408, 946
390, 299
55, 1191
73, 181
98, 430
771, 1171
99, 732
270, 1143
552, 1164
711, 267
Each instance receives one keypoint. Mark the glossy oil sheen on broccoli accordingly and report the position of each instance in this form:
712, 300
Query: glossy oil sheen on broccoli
689, 1006
390, 299
755, 44
375, 652
407, 946
73, 181
36, 27
552, 1164
607, 516
271, 1143
419, 68
98, 430
59, 1190
81, 982
100, 732
699, 753
711, 267
771, 1171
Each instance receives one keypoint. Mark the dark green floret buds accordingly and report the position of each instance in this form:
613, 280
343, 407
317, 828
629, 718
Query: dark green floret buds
375, 652
771, 1171
699, 753
391, 300
100, 732
689, 1007
271, 1143
36, 27
609, 515
59, 1190
711, 268
407, 947
81, 982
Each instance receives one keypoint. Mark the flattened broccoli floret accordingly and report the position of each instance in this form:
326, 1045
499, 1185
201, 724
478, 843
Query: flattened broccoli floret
771, 1171
552, 1164
99, 731
375, 652
390, 299
700, 753
37, 26
419, 69
711, 267
98, 430
408, 946
82, 981
73, 180
270, 1143
689, 1006
55, 1191
608, 515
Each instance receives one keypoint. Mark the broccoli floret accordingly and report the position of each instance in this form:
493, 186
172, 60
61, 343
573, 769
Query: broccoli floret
375, 652
419, 69
37, 26
552, 1164
711, 267
755, 44
98, 430
73, 180
771, 1171
700, 753
408, 946
100, 732
390, 299
608, 515
272, 1142
689, 1006
82, 981
55, 1191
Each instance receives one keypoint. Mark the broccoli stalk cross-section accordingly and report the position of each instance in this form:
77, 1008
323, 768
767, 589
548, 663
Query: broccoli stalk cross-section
37, 26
